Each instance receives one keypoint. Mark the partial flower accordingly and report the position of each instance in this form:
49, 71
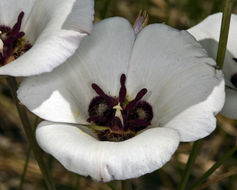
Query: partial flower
119, 107
38, 35
208, 33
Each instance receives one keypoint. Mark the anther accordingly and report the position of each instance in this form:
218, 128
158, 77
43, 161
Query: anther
235, 59
16, 28
98, 90
123, 90
139, 96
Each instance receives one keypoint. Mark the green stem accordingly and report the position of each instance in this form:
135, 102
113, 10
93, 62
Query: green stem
225, 24
25, 169
22, 180
30, 134
214, 167
105, 9
189, 165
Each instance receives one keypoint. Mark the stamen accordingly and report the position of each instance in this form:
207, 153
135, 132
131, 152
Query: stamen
235, 59
98, 90
123, 90
133, 103
111, 101
140, 94
16, 28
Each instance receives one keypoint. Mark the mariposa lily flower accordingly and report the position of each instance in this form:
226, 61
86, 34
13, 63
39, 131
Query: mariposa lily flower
207, 33
38, 35
119, 107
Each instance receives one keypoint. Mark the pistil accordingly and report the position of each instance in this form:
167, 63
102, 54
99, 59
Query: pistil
118, 112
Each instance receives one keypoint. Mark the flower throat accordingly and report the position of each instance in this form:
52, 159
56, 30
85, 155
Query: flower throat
116, 118
12, 42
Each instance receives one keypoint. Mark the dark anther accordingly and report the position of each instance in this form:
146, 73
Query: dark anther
235, 59
139, 96
123, 90
98, 90
234, 80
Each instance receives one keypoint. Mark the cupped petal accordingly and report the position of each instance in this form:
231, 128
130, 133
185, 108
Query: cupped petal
103, 160
208, 32
64, 94
10, 9
230, 107
184, 88
55, 28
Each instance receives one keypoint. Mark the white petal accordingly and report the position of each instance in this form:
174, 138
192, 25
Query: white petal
230, 107
208, 33
10, 9
103, 160
183, 86
64, 94
52, 29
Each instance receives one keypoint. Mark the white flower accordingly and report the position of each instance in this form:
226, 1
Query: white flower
177, 94
53, 28
208, 33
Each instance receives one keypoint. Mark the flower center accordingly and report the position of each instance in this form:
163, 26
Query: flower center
117, 118
12, 42
234, 77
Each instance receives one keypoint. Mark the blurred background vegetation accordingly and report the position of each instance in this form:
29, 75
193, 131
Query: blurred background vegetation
181, 14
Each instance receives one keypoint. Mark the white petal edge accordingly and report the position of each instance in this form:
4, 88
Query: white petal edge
230, 107
52, 42
64, 94
103, 160
208, 32
199, 120
184, 88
